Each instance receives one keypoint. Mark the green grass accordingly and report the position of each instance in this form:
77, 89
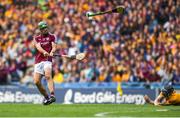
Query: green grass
88, 110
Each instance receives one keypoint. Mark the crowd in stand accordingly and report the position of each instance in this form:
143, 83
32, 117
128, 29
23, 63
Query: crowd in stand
142, 45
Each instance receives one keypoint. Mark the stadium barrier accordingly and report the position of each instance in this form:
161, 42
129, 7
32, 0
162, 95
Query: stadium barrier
77, 95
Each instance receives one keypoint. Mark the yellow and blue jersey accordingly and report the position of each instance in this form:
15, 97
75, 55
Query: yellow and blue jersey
173, 99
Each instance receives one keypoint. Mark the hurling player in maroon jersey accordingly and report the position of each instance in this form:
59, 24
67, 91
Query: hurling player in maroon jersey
46, 46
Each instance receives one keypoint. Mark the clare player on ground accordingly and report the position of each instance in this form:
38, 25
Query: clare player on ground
167, 96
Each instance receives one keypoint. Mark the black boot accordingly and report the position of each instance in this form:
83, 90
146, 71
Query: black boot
52, 99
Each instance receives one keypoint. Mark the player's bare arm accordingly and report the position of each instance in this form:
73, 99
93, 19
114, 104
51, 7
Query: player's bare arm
39, 48
148, 100
159, 100
53, 49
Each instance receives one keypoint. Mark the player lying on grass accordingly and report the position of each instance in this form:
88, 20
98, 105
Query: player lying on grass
167, 96
45, 43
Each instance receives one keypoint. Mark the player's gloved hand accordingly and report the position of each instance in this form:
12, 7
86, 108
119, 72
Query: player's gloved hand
46, 54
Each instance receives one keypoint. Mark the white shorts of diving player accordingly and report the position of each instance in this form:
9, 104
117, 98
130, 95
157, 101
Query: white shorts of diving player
40, 67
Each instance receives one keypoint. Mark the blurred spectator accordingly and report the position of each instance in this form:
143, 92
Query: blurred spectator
58, 76
3, 72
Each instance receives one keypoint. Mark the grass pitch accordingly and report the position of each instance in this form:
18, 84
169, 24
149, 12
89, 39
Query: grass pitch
88, 110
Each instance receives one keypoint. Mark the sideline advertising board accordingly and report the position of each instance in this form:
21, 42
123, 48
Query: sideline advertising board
77, 95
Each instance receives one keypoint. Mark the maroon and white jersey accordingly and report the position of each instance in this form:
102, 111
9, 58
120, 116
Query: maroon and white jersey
46, 44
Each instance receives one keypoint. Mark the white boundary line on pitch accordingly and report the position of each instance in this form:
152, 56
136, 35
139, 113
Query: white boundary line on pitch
103, 114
